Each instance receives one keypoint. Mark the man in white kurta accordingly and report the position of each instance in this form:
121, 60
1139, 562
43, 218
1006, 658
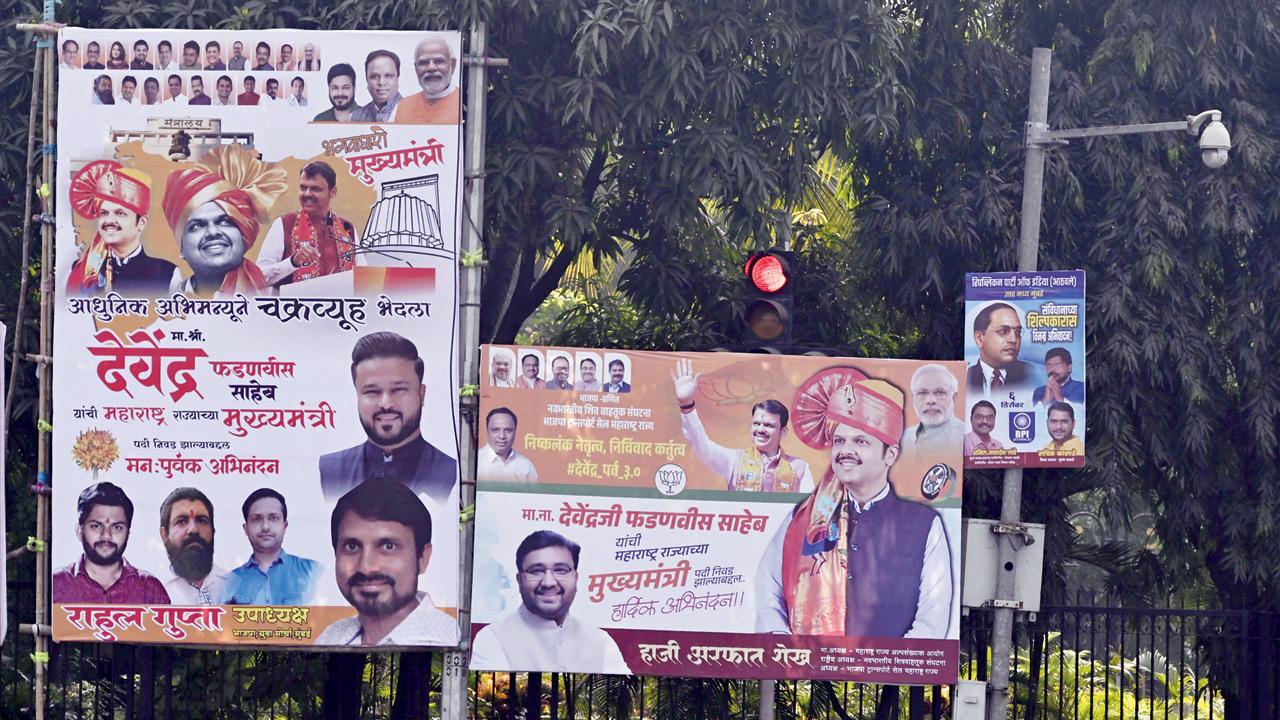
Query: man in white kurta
498, 459
524, 641
425, 625
762, 467
933, 395
541, 635
213, 590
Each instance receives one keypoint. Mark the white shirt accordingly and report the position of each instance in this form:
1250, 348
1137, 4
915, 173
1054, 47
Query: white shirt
173, 65
523, 641
213, 591
933, 608
945, 438
231, 100
180, 100
516, 468
426, 625
293, 101
273, 263
726, 462
122, 100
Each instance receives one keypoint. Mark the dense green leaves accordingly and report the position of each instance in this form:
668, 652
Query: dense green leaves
655, 113
1184, 301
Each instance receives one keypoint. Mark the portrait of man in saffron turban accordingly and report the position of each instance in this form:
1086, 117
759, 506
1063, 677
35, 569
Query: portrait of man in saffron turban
118, 200
215, 210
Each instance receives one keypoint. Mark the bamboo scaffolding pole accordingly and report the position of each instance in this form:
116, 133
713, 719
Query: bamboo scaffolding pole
46, 384
20, 319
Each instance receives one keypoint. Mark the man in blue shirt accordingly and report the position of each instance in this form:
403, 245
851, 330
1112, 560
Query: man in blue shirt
271, 576
1060, 387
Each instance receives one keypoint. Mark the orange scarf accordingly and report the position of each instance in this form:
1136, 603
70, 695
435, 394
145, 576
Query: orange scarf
751, 472
92, 271
305, 235
815, 562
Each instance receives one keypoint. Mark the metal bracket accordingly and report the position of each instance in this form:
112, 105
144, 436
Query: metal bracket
1037, 135
484, 60
1005, 528
1018, 534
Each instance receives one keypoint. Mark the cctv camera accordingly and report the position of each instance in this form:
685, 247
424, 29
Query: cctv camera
1214, 158
1215, 143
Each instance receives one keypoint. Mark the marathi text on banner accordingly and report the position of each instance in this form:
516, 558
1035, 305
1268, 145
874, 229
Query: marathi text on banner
636, 501
1025, 371
255, 424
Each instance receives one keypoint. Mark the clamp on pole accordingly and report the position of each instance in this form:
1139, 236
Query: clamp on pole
1018, 533
484, 60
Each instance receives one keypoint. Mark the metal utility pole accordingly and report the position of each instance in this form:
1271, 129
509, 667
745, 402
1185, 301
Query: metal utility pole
1214, 144
1011, 498
454, 697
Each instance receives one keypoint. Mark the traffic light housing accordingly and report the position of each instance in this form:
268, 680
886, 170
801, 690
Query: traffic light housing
768, 317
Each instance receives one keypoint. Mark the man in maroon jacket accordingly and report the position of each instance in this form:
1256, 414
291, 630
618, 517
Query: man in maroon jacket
102, 575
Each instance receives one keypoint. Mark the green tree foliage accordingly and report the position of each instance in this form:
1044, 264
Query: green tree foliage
1182, 260
653, 127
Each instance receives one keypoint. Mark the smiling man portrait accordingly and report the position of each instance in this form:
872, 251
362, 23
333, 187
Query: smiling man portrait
381, 535
118, 199
540, 634
388, 376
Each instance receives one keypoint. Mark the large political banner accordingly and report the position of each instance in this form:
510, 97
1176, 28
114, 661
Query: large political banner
717, 515
255, 421
1024, 349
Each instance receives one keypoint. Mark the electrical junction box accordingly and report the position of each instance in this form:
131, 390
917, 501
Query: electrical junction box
978, 569
970, 701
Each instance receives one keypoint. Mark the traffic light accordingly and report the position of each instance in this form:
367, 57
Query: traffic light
770, 291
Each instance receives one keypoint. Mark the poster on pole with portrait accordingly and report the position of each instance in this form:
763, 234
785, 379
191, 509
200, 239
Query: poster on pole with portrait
1025, 369
717, 515
255, 407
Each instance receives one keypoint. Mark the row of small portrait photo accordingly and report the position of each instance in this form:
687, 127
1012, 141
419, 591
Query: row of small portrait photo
143, 54
579, 372
380, 86
193, 89
384, 97
1059, 420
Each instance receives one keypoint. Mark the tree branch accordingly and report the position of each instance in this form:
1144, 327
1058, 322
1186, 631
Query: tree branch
525, 303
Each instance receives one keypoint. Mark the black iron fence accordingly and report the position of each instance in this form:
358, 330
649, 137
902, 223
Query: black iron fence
1094, 659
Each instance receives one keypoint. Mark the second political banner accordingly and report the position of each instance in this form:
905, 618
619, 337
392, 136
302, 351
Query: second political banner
718, 515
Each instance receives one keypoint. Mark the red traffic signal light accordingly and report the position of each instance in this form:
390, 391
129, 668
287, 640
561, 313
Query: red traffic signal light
768, 272
770, 288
